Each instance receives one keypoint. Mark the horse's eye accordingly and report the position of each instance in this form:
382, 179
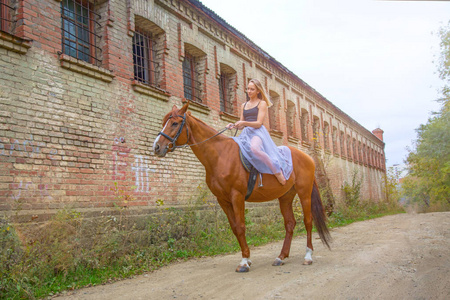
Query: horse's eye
174, 124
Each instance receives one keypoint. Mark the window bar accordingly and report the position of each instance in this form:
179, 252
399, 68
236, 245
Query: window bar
226, 91
144, 52
223, 93
198, 90
191, 85
7, 24
74, 24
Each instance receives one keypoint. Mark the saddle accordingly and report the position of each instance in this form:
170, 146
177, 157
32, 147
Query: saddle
253, 175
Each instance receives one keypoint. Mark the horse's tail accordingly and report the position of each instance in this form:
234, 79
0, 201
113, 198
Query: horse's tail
319, 216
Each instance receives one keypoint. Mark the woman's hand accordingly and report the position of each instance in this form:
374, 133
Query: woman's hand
230, 126
239, 125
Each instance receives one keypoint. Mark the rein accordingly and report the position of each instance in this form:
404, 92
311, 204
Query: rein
177, 135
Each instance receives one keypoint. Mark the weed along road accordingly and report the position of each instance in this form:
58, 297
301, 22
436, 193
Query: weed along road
405, 256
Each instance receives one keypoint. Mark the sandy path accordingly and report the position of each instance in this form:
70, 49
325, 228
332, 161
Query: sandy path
405, 256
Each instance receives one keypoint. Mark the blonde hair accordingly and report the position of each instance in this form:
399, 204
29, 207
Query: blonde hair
262, 93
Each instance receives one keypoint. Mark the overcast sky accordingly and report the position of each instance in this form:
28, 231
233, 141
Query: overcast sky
372, 59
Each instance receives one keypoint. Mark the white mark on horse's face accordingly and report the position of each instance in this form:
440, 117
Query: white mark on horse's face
157, 138
308, 255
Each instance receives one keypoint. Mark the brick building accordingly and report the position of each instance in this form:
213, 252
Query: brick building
84, 85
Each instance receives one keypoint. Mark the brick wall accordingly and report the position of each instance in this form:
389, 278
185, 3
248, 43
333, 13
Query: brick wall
79, 134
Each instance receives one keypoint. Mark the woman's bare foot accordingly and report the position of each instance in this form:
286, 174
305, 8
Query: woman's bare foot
280, 178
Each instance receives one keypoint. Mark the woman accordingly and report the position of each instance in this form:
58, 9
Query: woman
255, 142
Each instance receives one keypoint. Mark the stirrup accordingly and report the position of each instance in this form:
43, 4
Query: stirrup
260, 180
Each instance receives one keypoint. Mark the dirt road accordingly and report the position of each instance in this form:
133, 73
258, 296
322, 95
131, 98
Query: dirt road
404, 256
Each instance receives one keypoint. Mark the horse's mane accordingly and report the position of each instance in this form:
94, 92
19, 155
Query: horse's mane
202, 122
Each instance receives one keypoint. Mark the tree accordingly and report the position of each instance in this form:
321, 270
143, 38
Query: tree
429, 162
391, 186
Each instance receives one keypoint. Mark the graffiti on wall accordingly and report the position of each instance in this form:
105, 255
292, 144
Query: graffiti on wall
141, 170
28, 188
140, 166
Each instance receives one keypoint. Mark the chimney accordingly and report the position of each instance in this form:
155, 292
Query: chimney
378, 133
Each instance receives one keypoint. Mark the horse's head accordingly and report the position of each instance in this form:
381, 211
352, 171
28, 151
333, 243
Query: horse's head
174, 132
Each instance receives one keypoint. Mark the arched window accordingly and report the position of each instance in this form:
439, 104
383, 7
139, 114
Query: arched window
7, 12
360, 154
304, 120
349, 141
148, 43
316, 130
342, 143
273, 111
334, 138
290, 118
326, 136
194, 67
80, 23
227, 89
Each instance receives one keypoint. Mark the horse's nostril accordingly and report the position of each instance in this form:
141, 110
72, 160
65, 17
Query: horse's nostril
156, 148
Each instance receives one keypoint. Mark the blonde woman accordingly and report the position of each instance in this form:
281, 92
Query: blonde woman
255, 141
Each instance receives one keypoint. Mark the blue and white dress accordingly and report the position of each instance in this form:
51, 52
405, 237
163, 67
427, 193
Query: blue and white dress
276, 160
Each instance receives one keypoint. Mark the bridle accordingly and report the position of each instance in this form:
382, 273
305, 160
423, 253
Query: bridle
177, 135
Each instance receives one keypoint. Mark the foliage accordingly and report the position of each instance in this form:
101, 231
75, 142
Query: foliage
346, 214
352, 191
72, 251
443, 63
391, 186
428, 181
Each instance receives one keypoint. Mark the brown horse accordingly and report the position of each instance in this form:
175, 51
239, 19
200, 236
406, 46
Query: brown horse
227, 179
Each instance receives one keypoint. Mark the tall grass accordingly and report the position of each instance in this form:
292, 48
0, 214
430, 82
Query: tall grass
71, 251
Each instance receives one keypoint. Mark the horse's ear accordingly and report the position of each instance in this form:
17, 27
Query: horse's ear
184, 108
189, 113
174, 108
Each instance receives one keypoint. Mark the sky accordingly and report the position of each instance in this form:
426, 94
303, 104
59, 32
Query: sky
375, 60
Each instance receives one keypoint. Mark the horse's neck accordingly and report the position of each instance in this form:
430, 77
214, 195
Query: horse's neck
207, 152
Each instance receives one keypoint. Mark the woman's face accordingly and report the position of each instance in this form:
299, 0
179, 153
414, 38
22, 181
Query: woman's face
252, 91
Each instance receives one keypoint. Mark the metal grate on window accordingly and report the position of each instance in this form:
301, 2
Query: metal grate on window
79, 39
225, 94
7, 23
290, 125
326, 142
304, 124
191, 85
273, 114
144, 54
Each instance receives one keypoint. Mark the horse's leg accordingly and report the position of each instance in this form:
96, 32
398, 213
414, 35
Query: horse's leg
228, 209
305, 200
289, 224
237, 223
238, 204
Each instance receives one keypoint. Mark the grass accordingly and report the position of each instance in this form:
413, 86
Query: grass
71, 251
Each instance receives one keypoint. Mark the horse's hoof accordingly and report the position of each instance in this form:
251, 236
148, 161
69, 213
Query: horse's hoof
278, 262
244, 266
242, 269
307, 262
